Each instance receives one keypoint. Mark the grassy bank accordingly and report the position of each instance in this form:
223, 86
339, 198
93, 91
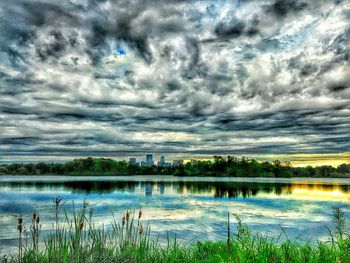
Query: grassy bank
75, 238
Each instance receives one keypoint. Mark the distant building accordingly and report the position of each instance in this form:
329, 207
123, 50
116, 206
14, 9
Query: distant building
162, 161
132, 160
176, 163
149, 159
149, 162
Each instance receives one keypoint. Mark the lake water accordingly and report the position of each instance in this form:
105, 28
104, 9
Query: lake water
190, 208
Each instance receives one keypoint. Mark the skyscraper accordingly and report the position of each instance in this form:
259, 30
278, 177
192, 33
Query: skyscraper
149, 159
162, 161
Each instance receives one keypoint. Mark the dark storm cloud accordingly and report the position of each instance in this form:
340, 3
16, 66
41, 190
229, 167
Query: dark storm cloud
233, 30
113, 78
339, 87
195, 68
283, 7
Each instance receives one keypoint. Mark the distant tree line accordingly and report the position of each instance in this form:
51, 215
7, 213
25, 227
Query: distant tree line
245, 167
219, 166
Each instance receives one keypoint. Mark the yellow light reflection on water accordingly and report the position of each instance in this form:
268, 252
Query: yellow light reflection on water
317, 192
320, 193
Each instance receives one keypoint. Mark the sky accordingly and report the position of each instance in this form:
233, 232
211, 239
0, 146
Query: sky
115, 78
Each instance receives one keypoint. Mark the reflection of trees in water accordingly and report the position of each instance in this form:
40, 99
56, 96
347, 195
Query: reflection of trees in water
232, 189
77, 187
216, 189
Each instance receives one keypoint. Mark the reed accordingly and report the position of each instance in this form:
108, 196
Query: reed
77, 239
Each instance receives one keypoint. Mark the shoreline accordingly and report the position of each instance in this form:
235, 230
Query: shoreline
171, 178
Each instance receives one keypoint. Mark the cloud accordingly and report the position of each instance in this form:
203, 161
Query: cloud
283, 7
195, 77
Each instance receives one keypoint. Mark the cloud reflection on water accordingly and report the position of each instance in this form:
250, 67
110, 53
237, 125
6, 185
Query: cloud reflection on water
192, 210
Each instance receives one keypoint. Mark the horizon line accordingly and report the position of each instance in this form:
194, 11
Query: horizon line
296, 160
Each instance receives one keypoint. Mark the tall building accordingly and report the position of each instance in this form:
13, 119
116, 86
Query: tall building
162, 161
149, 159
132, 160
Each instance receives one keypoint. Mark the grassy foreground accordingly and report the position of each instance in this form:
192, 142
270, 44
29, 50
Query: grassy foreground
76, 239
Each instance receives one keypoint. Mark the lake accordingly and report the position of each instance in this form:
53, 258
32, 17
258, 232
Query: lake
191, 208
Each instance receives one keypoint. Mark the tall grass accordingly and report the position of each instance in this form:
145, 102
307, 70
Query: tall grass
76, 238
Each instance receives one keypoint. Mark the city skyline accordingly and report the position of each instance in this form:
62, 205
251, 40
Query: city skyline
185, 79
149, 161
297, 160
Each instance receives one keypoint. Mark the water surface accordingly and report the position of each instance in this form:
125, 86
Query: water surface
190, 208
